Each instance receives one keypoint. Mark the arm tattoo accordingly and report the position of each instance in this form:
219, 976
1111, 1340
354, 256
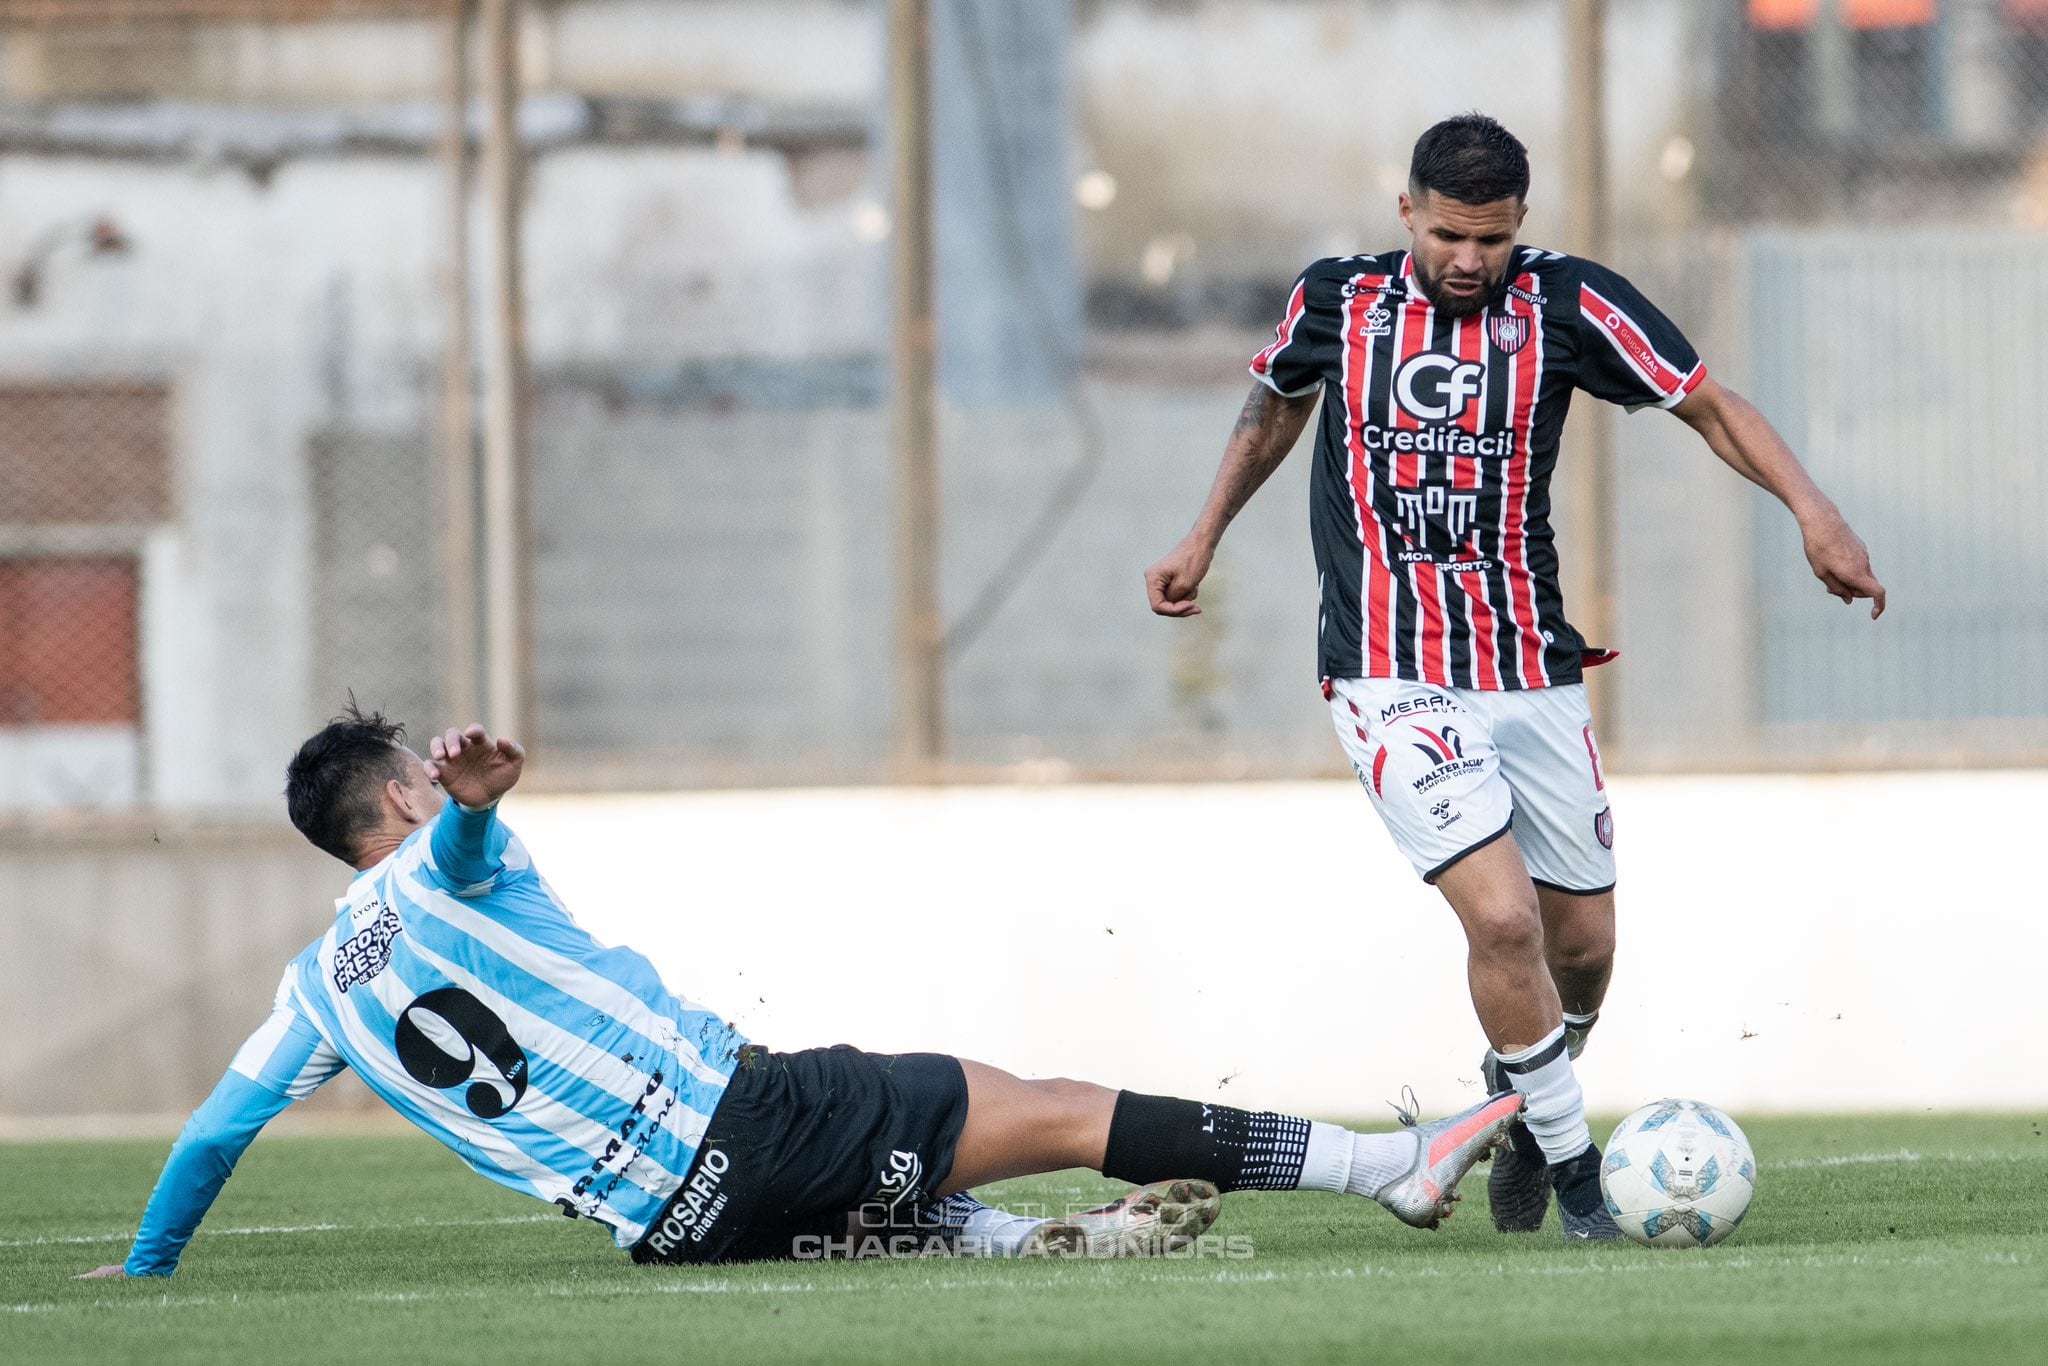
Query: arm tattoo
1257, 410
1269, 422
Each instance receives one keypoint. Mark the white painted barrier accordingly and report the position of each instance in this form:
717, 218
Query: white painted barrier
1787, 943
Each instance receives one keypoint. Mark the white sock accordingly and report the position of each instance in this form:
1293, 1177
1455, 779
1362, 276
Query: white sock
1358, 1164
1556, 1114
990, 1232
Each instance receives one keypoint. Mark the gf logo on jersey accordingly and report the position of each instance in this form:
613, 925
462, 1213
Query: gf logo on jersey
1436, 387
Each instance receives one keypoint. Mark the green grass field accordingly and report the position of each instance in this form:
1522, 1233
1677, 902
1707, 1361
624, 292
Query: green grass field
1873, 1239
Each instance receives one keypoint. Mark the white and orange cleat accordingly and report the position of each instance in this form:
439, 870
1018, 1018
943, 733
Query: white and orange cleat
1149, 1221
1446, 1149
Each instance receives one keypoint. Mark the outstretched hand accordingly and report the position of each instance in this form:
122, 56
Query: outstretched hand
473, 768
105, 1273
1841, 562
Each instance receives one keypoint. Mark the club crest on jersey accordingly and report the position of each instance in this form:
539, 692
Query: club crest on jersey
1509, 331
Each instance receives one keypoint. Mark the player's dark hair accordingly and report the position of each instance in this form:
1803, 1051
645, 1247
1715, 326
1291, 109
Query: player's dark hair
1472, 159
332, 785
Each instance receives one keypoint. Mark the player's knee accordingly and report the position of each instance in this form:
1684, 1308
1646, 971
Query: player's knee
1584, 954
1080, 1110
1508, 928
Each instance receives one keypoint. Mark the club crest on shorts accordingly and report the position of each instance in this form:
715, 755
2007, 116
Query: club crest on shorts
1603, 827
1510, 332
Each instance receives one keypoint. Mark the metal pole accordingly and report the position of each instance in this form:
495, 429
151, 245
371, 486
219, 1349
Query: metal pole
920, 634
1591, 495
1834, 73
507, 471
458, 636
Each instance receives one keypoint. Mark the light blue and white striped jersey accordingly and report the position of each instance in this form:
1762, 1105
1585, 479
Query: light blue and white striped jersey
456, 985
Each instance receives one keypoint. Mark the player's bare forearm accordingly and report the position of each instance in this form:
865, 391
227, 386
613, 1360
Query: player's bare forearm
1747, 443
1267, 428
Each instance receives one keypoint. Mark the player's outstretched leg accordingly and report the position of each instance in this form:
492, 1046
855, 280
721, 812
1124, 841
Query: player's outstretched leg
1019, 1128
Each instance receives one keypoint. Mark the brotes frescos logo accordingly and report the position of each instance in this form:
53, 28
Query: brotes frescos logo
367, 952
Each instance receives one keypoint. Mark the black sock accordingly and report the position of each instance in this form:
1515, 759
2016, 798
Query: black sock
1158, 1138
1577, 1180
1525, 1145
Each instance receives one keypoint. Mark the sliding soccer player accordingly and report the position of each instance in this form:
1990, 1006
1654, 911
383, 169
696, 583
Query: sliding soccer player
459, 989
1454, 679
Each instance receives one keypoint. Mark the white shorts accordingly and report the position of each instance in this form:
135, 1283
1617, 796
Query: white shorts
1453, 769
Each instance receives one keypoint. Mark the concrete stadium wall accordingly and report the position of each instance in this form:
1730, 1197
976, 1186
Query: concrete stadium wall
135, 958
1788, 943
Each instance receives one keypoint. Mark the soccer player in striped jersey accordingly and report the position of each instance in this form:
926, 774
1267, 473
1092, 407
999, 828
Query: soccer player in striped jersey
1445, 371
457, 986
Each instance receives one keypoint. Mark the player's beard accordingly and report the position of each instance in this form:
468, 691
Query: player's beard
1453, 306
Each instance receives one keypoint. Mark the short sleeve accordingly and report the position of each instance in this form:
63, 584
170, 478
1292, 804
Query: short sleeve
287, 1055
1630, 353
1299, 359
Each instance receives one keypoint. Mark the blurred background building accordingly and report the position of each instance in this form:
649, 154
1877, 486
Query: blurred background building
222, 226
233, 288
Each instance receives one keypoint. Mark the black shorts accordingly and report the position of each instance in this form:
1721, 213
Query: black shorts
801, 1140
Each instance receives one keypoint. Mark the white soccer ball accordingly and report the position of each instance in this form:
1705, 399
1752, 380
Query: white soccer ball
1678, 1173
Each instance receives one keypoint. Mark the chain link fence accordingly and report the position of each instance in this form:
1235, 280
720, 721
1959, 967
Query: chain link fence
224, 232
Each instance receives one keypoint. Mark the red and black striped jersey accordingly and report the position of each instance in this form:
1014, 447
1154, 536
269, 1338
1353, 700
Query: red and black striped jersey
1430, 498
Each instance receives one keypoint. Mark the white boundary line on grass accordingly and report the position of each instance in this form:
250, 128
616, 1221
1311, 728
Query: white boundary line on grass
1790, 1164
88, 1239
1099, 1273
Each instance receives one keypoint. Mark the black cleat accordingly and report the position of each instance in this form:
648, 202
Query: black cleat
1518, 1187
1581, 1204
